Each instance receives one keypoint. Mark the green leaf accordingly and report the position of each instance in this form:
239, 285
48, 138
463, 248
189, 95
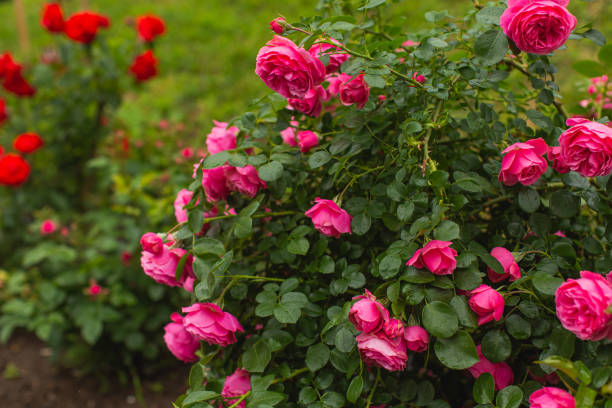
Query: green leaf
496, 346
605, 54
257, 357
518, 327
298, 246
446, 231
546, 284
509, 397
564, 204
490, 15
208, 246
270, 171
180, 266
539, 119
457, 352
355, 389
467, 318
371, 4
307, 395
317, 356
265, 399
344, 340
195, 220
216, 160
361, 223
585, 397
596, 36
199, 396
389, 266
589, 68
562, 364
529, 200
440, 319
491, 46
289, 310
91, 330
318, 159
243, 226
484, 389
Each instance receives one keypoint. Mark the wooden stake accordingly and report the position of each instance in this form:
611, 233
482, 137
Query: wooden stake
22, 26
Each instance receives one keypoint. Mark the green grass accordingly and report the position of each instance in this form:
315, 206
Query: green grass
207, 57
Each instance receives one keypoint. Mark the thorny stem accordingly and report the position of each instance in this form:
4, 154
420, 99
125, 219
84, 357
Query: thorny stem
428, 135
369, 402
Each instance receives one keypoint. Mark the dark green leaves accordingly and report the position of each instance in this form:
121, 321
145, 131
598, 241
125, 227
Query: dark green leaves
491, 46
317, 356
318, 159
389, 266
257, 357
457, 352
490, 15
509, 397
529, 200
496, 346
564, 204
484, 389
271, 171
447, 231
290, 307
354, 390
589, 68
440, 319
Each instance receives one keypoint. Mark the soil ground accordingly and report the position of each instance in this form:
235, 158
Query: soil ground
28, 379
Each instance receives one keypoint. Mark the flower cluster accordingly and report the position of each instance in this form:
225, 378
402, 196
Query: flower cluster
14, 169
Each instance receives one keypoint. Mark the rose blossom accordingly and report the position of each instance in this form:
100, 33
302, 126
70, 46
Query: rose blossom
336, 56
367, 315
214, 182
581, 306
329, 219
288, 135
523, 162
144, 66
83, 27
14, 81
48, 227
506, 259
554, 155
551, 397
52, 18
159, 261
94, 289
586, 147
307, 140
437, 256
501, 372
236, 385
221, 138
209, 323
244, 180
416, 338
381, 351
27, 143
311, 104
334, 83
182, 199
487, 303
14, 170
393, 328
288, 69
276, 25
3, 114
149, 27
180, 342
356, 91
537, 26
419, 78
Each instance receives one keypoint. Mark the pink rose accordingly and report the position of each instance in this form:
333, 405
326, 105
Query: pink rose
537, 26
307, 140
367, 315
419, 78
334, 83
182, 199
551, 397
506, 259
586, 147
523, 162
356, 91
393, 328
336, 56
159, 261
245, 180
236, 385
221, 138
410, 43
288, 69
209, 323
288, 134
581, 306
48, 227
214, 182
416, 338
329, 219
179, 341
381, 351
501, 372
276, 25
487, 303
554, 156
311, 104
436, 256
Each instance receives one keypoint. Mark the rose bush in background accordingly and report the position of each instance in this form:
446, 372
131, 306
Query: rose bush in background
415, 247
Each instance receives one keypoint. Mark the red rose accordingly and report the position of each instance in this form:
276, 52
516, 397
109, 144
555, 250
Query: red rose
149, 27
13, 80
3, 114
144, 66
52, 18
83, 27
14, 170
27, 142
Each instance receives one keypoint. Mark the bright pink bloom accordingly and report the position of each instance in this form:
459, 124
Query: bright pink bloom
245, 180
329, 219
437, 256
276, 25
187, 153
214, 182
586, 147
221, 138
182, 199
288, 134
381, 351
334, 83
367, 315
551, 397
487, 303
581, 306
554, 156
409, 43
560, 234
523, 162
336, 56
288, 69
159, 261
393, 328
501, 372
209, 323
419, 78
311, 104
236, 385
94, 289
356, 91
537, 26
180, 342
506, 259
48, 227
307, 140
416, 338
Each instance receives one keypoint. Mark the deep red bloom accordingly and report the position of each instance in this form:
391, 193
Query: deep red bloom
149, 27
14, 170
13, 79
3, 114
27, 142
83, 27
144, 66
52, 18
